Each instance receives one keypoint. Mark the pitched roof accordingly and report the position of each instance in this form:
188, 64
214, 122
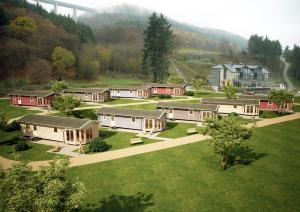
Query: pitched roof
166, 85
31, 93
259, 97
85, 90
187, 106
54, 121
130, 112
230, 101
128, 87
233, 67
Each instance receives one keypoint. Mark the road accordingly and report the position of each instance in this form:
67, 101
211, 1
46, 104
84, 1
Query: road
178, 71
286, 79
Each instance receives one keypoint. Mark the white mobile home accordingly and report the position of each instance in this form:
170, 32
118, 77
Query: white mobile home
139, 92
68, 130
143, 120
88, 94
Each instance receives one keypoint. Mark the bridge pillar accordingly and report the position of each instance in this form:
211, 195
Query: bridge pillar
75, 13
55, 8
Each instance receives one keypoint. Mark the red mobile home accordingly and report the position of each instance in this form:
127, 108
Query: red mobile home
32, 98
170, 89
266, 104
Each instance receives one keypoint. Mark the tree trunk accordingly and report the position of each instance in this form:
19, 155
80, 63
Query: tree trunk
224, 162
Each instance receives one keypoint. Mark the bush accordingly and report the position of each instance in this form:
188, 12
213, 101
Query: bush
21, 146
86, 149
98, 145
13, 126
164, 96
190, 93
233, 114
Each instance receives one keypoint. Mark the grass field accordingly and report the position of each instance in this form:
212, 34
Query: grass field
35, 152
150, 106
13, 111
296, 108
116, 101
176, 130
297, 99
120, 140
189, 178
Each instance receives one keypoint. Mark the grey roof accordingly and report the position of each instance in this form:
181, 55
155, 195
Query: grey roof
128, 87
187, 106
233, 67
31, 93
130, 112
230, 101
166, 85
85, 90
54, 121
259, 97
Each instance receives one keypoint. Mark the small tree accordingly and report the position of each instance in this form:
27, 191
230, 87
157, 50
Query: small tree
58, 86
65, 104
228, 133
281, 97
197, 84
47, 189
63, 59
175, 79
230, 91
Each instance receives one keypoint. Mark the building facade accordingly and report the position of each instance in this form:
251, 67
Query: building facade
188, 112
247, 108
143, 120
89, 94
68, 130
139, 92
246, 76
266, 104
168, 89
32, 98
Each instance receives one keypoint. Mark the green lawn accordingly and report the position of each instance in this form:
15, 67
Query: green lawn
35, 152
117, 101
150, 106
297, 99
108, 80
296, 108
189, 178
10, 111
176, 130
120, 140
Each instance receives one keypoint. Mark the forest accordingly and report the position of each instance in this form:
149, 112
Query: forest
293, 57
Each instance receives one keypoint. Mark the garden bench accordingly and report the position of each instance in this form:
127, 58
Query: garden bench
191, 131
136, 141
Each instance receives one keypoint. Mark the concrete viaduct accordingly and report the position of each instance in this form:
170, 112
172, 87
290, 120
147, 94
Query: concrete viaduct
66, 5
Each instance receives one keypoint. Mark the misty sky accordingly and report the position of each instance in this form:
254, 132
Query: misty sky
278, 19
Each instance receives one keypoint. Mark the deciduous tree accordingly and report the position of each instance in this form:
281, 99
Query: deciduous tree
227, 134
197, 83
58, 86
48, 189
281, 97
230, 91
175, 79
63, 59
65, 104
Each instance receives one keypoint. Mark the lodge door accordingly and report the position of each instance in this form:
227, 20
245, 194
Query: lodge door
149, 124
70, 135
177, 91
19, 100
40, 101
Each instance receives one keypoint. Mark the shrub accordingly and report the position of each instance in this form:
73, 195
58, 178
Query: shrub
190, 93
21, 146
233, 114
13, 126
98, 145
86, 149
164, 96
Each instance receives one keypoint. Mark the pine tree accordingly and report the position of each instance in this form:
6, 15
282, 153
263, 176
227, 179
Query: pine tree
157, 47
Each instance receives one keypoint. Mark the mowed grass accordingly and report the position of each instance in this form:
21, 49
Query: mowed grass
189, 178
117, 101
108, 80
176, 130
10, 111
119, 140
35, 152
150, 106
297, 99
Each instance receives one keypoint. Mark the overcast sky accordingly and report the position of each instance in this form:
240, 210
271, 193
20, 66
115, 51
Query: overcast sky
278, 19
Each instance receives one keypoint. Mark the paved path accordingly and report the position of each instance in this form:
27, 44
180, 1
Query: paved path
126, 152
288, 82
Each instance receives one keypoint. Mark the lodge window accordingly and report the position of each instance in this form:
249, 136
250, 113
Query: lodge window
89, 134
112, 118
34, 127
118, 91
55, 129
234, 106
249, 109
132, 119
104, 117
27, 126
171, 110
191, 112
14, 97
31, 98
130, 91
86, 94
